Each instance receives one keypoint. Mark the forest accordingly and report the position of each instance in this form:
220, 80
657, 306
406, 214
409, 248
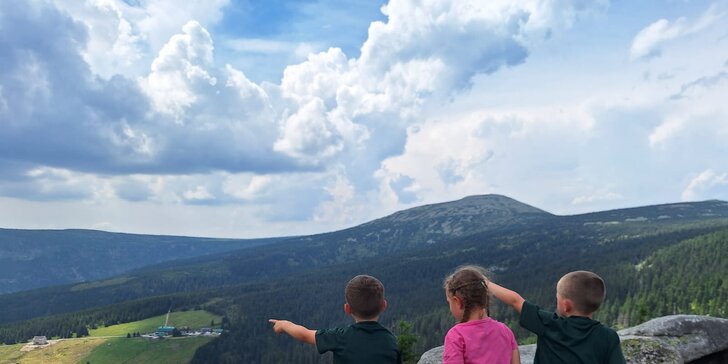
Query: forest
635, 272
651, 269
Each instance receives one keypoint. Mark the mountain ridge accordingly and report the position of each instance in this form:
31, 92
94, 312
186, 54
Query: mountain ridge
468, 205
301, 279
410, 228
76, 255
369, 240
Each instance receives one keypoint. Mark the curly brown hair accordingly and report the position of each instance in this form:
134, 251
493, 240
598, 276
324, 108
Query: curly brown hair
470, 284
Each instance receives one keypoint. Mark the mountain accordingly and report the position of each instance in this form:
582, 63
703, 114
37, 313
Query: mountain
484, 217
302, 278
411, 228
39, 258
650, 268
705, 210
443, 221
408, 229
428, 224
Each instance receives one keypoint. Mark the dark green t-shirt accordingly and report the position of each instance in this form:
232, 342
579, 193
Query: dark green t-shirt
572, 339
365, 342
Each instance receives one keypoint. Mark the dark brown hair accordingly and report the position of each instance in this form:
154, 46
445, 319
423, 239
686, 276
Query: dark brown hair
585, 289
468, 282
365, 296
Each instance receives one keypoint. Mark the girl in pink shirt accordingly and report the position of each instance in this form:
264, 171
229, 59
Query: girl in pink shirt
477, 338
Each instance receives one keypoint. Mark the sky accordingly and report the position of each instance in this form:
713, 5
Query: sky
244, 118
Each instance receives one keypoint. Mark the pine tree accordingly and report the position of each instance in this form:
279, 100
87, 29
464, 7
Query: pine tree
406, 341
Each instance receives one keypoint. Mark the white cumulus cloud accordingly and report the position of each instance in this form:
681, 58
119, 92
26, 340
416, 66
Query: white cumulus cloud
707, 185
165, 122
649, 41
180, 70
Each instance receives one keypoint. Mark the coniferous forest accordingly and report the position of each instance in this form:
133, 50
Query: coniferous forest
638, 290
652, 267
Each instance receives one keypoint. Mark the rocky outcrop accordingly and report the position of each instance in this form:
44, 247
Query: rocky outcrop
678, 339
669, 339
432, 356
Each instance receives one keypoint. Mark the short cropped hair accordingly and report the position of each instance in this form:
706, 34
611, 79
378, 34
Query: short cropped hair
585, 289
365, 296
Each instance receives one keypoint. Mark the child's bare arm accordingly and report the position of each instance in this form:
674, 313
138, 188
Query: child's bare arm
516, 357
298, 332
508, 297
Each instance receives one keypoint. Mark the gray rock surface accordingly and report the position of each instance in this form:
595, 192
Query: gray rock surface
528, 353
432, 356
687, 337
669, 339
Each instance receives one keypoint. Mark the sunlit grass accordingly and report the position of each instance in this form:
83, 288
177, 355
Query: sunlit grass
142, 350
64, 352
193, 319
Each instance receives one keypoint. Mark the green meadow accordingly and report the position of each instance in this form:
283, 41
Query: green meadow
70, 351
193, 319
141, 350
10, 353
95, 349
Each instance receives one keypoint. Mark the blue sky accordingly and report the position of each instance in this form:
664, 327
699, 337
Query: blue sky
248, 118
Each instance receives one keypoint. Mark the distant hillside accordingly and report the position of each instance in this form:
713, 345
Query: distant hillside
408, 229
437, 228
39, 258
689, 276
436, 223
648, 273
659, 213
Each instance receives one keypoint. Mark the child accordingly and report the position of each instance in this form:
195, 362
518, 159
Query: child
366, 341
572, 336
477, 338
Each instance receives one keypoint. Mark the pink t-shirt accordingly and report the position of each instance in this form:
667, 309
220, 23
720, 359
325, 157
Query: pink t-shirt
479, 341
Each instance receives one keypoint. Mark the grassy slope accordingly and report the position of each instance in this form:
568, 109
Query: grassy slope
194, 319
106, 351
10, 353
136, 350
119, 350
64, 352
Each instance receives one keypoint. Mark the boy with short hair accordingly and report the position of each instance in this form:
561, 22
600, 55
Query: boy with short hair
366, 341
571, 336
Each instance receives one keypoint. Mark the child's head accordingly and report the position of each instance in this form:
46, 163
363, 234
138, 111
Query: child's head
466, 290
364, 297
579, 293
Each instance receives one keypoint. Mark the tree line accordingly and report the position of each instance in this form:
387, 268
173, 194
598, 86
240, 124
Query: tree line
639, 266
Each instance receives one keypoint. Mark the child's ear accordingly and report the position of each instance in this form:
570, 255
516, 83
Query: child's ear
458, 300
568, 306
384, 305
347, 309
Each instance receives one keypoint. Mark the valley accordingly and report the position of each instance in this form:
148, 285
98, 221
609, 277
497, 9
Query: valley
112, 344
70, 256
639, 252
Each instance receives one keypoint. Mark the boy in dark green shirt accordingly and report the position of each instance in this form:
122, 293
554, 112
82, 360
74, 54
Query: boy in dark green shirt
364, 342
571, 336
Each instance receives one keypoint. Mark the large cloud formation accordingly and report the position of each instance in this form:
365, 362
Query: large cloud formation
105, 101
64, 108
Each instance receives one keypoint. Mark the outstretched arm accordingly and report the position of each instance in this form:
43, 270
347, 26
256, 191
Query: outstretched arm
298, 332
508, 297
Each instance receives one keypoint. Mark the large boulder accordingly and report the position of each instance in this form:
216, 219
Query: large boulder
669, 339
432, 356
678, 338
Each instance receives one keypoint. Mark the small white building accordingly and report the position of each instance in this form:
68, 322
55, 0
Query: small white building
40, 340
